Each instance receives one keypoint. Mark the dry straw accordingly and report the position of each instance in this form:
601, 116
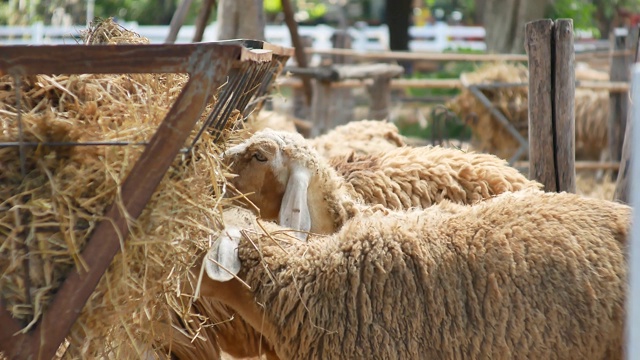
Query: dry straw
47, 216
591, 110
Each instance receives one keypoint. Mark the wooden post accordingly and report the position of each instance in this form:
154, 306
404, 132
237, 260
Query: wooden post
618, 103
177, 20
538, 46
551, 103
203, 19
623, 182
301, 107
380, 93
342, 99
321, 107
564, 106
296, 41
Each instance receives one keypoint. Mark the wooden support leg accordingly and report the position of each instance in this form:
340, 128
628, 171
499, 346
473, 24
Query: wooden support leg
380, 93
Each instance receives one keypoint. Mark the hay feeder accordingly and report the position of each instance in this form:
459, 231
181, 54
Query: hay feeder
233, 76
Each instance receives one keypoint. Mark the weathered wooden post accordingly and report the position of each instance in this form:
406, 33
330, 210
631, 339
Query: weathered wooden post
342, 98
321, 107
551, 103
623, 182
621, 40
302, 108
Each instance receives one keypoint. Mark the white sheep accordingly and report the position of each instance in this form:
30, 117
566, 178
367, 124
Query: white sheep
523, 275
289, 181
359, 137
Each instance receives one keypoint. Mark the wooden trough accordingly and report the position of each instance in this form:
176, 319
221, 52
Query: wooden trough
238, 73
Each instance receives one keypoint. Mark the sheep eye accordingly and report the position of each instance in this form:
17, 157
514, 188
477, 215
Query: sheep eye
260, 157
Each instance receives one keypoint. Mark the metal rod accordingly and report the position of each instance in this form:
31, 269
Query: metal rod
17, 83
88, 143
226, 91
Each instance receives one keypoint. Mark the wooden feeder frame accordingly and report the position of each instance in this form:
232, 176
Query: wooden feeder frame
237, 70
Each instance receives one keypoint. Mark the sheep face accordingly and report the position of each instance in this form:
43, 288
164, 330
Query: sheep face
272, 179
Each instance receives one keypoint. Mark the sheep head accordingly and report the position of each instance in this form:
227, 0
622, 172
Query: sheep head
273, 173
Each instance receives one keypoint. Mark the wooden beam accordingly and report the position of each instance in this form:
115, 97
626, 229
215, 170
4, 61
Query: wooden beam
115, 59
580, 165
402, 55
447, 84
564, 90
541, 148
436, 56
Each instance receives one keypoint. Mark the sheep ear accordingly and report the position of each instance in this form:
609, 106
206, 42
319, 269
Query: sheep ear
294, 210
221, 262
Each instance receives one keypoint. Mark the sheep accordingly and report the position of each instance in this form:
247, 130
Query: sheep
290, 182
420, 177
362, 137
523, 275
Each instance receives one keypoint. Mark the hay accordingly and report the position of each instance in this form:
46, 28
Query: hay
47, 216
488, 135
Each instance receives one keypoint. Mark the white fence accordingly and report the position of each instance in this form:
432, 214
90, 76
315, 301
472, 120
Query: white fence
436, 37
431, 38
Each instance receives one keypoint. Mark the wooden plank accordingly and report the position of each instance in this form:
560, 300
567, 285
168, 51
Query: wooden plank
448, 84
580, 165
115, 59
403, 55
136, 191
541, 155
436, 56
369, 71
564, 128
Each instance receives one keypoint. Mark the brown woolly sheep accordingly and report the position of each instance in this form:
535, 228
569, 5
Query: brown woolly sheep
289, 181
523, 275
422, 176
359, 137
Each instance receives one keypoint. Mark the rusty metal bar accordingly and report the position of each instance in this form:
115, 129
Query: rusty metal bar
9, 328
208, 65
111, 59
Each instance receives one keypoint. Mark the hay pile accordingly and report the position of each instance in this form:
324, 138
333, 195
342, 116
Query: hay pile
591, 110
47, 216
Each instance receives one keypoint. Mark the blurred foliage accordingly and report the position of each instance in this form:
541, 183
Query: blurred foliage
145, 12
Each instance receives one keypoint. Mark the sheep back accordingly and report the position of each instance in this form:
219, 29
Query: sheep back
524, 275
420, 177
